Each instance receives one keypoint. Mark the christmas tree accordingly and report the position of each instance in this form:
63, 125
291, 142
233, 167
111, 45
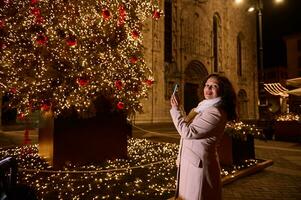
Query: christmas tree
65, 53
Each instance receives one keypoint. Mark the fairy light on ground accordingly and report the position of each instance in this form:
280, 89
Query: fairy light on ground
148, 172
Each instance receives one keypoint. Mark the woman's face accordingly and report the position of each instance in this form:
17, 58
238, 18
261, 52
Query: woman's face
211, 89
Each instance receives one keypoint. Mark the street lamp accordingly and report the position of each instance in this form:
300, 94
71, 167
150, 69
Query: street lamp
262, 97
262, 104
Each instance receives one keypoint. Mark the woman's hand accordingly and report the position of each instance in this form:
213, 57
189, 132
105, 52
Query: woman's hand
174, 101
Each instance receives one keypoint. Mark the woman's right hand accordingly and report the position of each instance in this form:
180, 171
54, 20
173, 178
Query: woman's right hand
174, 101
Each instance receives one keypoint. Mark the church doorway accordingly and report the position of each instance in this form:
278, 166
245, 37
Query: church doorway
195, 73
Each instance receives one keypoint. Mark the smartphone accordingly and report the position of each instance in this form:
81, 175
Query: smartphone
175, 89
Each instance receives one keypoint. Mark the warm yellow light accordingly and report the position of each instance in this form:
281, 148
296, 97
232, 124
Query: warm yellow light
279, 1
251, 9
238, 1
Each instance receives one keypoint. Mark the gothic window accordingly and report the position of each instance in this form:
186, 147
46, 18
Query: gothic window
186, 26
168, 31
196, 34
239, 54
216, 42
187, 34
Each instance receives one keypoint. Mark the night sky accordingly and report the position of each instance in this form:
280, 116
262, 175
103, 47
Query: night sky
278, 21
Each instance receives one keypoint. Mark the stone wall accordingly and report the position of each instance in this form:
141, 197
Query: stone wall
193, 55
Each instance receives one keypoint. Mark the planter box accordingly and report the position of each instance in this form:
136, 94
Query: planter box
83, 141
235, 151
288, 131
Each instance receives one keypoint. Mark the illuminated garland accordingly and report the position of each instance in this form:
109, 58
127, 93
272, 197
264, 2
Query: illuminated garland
288, 117
62, 54
148, 173
240, 130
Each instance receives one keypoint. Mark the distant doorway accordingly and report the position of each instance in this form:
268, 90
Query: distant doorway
195, 73
191, 97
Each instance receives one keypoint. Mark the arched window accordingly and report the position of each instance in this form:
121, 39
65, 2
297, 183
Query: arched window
168, 31
196, 34
239, 56
216, 42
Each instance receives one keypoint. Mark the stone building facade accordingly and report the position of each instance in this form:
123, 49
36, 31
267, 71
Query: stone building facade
193, 39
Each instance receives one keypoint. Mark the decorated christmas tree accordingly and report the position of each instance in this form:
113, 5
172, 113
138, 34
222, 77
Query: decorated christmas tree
62, 54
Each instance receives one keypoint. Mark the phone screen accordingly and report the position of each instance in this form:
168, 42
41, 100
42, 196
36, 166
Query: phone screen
175, 89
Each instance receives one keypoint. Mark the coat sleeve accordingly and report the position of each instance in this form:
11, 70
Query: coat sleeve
202, 125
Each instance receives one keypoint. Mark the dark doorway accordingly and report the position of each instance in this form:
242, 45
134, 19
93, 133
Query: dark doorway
191, 98
195, 73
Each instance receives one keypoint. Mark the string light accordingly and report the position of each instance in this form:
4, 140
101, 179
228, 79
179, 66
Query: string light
240, 130
149, 171
288, 117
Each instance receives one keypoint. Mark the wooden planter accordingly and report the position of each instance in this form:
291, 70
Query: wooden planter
83, 141
235, 151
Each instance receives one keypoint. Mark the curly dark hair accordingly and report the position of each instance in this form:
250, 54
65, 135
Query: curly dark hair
227, 93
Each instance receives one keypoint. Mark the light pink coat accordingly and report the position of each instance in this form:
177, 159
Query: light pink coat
199, 165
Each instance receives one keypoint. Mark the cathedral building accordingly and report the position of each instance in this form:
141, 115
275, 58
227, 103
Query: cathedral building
193, 39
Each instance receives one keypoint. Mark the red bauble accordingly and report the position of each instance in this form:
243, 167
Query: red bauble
82, 82
120, 105
2, 45
118, 84
133, 59
149, 82
71, 41
106, 14
13, 90
36, 11
21, 116
135, 34
2, 23
32, 2
45, 107
39, 20
122, 14
156, 14
41, 39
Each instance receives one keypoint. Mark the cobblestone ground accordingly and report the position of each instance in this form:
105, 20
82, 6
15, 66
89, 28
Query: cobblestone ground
281, 181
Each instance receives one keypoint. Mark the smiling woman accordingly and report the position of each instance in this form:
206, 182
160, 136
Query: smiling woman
201, 131
211, 89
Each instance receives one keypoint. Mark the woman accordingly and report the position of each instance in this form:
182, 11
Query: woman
199, 168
